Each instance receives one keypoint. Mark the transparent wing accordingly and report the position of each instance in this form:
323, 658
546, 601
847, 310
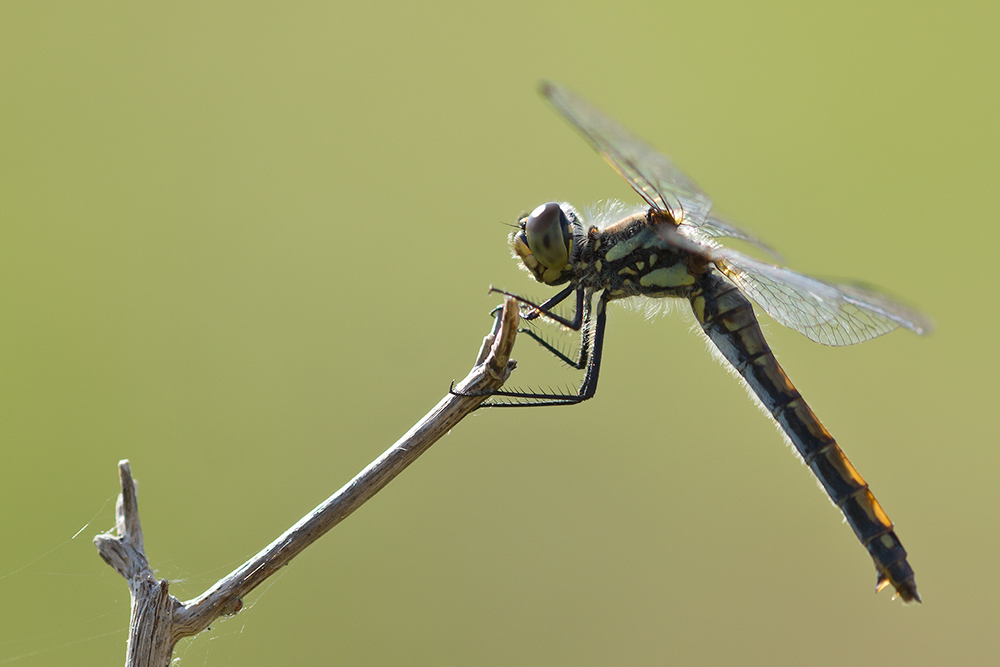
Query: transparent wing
826, 313
715, 227
653, 175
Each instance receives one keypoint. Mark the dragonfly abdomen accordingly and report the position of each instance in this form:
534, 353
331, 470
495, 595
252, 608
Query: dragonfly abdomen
728, 319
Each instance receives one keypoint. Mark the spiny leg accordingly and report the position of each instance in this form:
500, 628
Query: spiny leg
546, 307
583, 314
591, 350
536, 310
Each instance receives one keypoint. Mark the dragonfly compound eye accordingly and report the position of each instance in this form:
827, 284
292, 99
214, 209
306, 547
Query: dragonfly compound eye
548, 235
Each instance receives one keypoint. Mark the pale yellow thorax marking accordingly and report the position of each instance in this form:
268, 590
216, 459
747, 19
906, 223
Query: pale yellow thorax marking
673, 276
644, 239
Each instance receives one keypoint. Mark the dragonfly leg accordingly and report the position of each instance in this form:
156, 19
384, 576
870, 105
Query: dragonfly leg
545, 309
590, 357
579, 363
582, 315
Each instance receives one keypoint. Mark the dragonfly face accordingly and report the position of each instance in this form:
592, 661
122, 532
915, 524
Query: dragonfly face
545, 242
670, 250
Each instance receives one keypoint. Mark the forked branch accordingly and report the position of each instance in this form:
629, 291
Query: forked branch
159, 620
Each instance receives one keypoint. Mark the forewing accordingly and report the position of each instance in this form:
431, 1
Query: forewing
826, 313
653, 175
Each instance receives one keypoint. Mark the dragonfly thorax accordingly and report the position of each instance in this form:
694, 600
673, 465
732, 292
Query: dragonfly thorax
635, 256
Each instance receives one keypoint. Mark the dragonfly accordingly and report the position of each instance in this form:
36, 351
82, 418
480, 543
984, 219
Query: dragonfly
668, 248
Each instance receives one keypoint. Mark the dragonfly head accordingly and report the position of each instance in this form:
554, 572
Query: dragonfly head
544, 242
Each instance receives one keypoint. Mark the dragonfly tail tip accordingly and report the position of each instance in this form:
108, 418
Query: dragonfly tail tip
904, 589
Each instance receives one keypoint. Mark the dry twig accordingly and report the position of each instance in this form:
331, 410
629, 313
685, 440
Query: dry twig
159, 620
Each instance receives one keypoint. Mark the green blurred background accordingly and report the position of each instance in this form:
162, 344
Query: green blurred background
248, 246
